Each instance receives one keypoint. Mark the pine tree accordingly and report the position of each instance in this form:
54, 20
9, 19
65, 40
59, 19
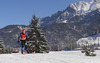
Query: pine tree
36, 41
88, 50
1, 46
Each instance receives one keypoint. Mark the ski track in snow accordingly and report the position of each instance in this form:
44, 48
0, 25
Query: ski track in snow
52, 57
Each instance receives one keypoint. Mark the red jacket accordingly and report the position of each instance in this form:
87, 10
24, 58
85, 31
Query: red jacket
22, 36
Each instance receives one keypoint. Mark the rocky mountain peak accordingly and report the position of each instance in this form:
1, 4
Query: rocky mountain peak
83, 7
97, 1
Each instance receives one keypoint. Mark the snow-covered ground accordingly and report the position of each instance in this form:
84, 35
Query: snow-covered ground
52, 57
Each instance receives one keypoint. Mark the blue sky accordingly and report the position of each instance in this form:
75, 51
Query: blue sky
21, 11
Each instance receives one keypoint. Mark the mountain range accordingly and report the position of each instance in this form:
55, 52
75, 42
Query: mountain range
82, 9
77, 21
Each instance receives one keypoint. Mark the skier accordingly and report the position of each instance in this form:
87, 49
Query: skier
23, 37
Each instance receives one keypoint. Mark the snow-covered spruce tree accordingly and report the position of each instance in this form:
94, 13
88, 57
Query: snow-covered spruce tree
4, 49
88, 50
1, 46
36, 41
7, 50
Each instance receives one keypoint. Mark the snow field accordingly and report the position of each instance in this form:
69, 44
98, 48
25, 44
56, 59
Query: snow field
52, 57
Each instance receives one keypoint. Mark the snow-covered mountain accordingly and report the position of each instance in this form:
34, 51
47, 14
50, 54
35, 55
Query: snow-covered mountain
78, 20
92, 40
84, 7
81, 8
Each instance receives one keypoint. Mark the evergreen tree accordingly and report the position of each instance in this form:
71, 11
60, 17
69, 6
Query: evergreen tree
1, 46
36, 41
88, 50
4, 49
